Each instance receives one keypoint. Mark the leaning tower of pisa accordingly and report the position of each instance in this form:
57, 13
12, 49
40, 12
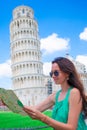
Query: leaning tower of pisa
27, 68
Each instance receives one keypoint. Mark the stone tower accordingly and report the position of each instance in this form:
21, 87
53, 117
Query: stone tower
27, 68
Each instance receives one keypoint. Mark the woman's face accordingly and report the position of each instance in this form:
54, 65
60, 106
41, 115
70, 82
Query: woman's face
58, 76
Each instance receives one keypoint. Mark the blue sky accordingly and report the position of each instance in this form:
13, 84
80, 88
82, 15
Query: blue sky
62, 28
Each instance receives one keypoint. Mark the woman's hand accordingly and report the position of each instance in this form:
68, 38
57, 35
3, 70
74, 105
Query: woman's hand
2, 103
34, 114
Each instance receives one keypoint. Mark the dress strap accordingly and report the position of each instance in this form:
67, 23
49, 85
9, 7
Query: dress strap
68, 93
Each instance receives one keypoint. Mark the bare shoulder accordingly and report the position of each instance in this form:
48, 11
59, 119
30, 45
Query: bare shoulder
75, 101
75, 91
75, 95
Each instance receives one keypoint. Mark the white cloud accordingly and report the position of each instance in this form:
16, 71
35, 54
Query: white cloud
46, 68
54, 43
5, 69
83, 35
82, 59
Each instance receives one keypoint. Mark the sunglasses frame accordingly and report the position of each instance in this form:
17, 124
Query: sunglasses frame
56, 73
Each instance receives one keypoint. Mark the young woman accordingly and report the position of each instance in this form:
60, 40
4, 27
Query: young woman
69, 103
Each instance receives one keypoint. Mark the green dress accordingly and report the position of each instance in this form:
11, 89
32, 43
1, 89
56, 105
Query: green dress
61, 109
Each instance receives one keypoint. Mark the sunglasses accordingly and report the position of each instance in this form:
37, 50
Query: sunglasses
56, 73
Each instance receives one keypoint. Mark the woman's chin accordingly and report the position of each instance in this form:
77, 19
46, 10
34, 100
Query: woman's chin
56, 82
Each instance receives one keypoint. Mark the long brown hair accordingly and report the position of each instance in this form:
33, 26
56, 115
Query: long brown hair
74, 80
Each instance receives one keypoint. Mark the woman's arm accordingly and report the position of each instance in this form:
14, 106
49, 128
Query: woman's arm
75, 106
45, 104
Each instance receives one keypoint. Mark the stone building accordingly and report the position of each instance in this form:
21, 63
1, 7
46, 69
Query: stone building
27, 68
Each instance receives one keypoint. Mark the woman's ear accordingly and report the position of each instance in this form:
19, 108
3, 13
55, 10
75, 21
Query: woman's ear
67, 76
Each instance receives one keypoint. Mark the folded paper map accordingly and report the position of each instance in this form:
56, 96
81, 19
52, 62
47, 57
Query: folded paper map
12, 101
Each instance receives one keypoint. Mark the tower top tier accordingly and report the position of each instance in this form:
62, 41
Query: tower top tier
23, 11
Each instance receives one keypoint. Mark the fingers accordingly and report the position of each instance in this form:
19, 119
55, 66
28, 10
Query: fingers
30, 111
2, 103
33, 113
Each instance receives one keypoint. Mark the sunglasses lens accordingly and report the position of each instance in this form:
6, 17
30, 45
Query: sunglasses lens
56, 73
